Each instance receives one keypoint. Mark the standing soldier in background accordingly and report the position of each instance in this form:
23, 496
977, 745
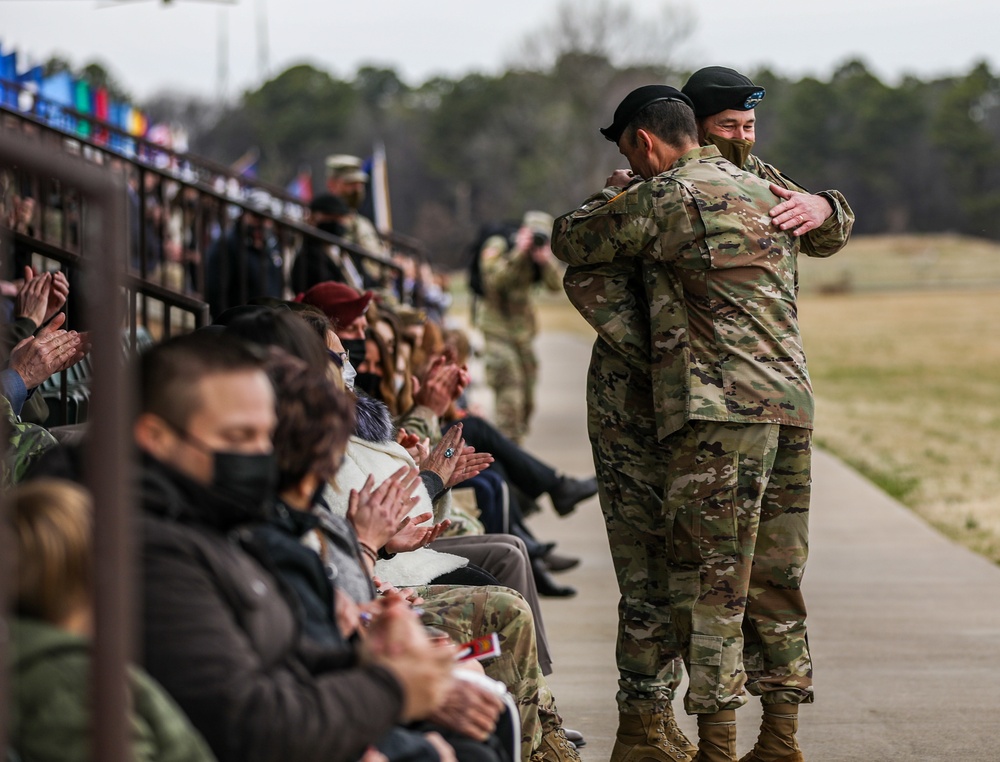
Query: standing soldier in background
347, 180
510, 269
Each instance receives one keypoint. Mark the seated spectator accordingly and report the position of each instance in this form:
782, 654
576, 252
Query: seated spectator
441, 384
314, 421
218, 631
50, 638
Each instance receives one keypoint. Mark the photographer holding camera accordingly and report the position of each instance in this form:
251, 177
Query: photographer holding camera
510, 269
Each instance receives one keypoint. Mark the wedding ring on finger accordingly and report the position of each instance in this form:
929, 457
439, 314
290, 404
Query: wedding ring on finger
449, 452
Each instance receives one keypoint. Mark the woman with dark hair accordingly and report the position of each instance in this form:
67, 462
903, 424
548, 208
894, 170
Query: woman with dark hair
314, 423
281, 328
378, 372
309, 442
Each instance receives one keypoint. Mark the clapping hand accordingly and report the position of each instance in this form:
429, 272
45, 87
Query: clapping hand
378, 514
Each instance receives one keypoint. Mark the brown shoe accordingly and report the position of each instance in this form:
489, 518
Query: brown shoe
645, 738
555, 747
776, 742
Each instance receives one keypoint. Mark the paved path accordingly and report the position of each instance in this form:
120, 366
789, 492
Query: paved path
904, 624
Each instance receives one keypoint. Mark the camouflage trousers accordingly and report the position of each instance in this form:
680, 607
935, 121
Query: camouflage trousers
647, 650
471, 612
736, 515
628, 460
512, 373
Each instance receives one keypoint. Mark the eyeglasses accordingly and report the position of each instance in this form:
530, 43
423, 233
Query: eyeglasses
339, 358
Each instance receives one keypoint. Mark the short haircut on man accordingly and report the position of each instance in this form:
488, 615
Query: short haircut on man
169, 373
671, 121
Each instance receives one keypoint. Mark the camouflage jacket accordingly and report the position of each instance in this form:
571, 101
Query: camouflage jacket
832, 235
509, 278
361, 230
26, 442
688, 265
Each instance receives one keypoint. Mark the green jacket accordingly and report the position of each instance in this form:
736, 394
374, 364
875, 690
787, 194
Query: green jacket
685, 274
50, 716
26, 442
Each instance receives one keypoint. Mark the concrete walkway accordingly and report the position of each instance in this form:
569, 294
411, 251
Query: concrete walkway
904, 624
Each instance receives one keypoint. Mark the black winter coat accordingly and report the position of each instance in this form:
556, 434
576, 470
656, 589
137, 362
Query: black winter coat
221, 637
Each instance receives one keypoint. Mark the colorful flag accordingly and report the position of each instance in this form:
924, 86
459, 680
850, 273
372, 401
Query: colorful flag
82, 103
8, 73
58, 88
32, 75
301, 185
57, 91
8, 66
246, 165
136, 122
101, 108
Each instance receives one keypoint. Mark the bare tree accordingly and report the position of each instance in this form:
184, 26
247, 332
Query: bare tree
609, 29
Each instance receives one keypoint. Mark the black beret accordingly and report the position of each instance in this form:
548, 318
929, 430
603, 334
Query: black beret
716, 88
635, 102
327, 203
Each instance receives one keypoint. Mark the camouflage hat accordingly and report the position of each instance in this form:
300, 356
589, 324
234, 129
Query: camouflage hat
635, 102
538, 222
716, 88
345, 167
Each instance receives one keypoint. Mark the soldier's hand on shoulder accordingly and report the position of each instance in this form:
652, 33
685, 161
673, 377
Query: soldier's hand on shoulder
621, 178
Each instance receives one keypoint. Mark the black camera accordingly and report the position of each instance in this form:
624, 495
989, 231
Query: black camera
539, 239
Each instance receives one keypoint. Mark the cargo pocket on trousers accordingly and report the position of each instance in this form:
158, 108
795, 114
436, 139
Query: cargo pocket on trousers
701, 509
504, 669
705, 678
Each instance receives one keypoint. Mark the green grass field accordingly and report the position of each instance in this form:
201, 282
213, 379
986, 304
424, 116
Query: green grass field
904, 352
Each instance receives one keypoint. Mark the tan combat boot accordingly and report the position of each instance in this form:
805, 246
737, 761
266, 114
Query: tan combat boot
555, 747
776, 742
717, 737
651, 737
675, 735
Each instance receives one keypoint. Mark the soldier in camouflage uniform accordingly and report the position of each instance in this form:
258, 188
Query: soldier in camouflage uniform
346, 179
724, 104
637, 401
510, 270
467, 613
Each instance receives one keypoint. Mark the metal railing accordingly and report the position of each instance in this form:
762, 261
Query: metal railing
101, 244
184, 209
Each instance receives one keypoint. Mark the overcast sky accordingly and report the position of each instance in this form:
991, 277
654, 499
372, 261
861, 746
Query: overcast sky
150, 46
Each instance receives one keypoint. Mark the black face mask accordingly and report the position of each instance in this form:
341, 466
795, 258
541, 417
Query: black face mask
355, 349
332, 227
370, 384
249, 478
252, 478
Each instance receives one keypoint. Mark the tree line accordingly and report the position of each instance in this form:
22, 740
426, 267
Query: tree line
919, 156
